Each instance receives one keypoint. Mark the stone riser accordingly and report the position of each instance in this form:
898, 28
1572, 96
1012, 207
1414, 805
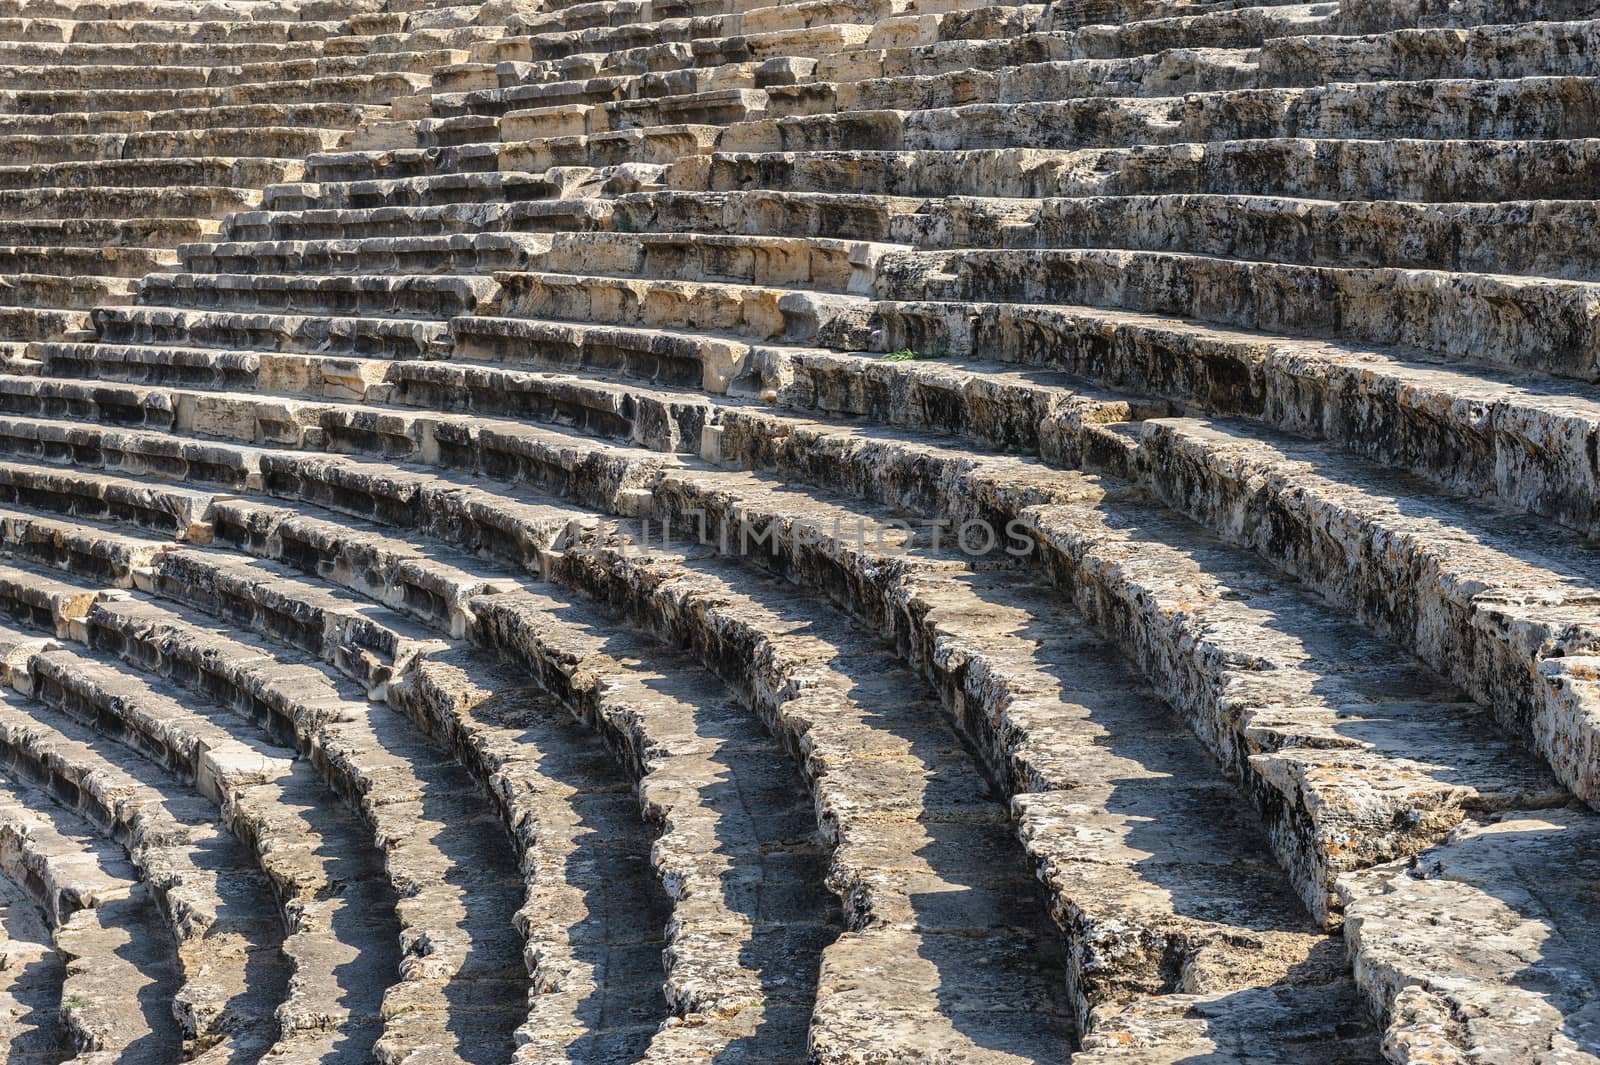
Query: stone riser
530, 216
425, 297
1505, 238
277, 142
371, 90
150, 173
65, 203
459, 254
56, 292
1550, 331
1422, 171
472, 188
1532, 107
131, 31
393, 338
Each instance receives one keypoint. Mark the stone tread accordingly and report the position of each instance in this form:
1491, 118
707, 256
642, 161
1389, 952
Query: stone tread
120, 969
30, 999
219, 906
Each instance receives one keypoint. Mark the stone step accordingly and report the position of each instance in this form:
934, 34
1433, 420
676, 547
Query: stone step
168, 458
595, 913
337, 909
101, 76
816, 263
105, 232
110, 558
1486, 53
118, 956
1117, 12
313, 116
177, 512
1425, 171
599, 90
1548, 333
369, 89
1237, 28
1496, 51
389, 337
672, 358
433, 583
93, 260
219, 905
1499, 604
417, 63
150, 173
180, 10
436, 38
30, 1000
528, 216
166, 53
1471, 432
1363, 16
139, 31
400, 163
1455, 108
200, 201
31, 323
785, 54
672, 43
1514, 237
728, 957
843, 216
463, 253
367, 643
656, 419
1165, 74
718, 107
278, 143
653, 146
59, 292
371, 295
785, 28
430, 191
462, 983
756, 312
1466, 877
573, 18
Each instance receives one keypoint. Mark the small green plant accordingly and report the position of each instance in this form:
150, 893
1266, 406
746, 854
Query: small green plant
911, 355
